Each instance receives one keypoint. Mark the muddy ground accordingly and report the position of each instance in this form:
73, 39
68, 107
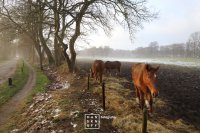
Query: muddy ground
179, 88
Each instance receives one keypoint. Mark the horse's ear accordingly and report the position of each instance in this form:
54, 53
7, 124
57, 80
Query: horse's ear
157, 68
148, 67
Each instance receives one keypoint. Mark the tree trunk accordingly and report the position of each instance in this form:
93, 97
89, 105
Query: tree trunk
41, 37
77, 34
67, 57
57, 46
45, 47
38, 48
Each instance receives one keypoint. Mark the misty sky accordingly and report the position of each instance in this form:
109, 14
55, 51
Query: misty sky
176, 21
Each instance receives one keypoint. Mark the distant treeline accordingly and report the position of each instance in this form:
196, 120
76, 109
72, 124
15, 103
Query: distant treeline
105, 52
190, 49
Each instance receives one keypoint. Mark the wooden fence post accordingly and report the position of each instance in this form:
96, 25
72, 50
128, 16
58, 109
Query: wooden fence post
22, 69
9, 81
144, 121
103, 96
88, 86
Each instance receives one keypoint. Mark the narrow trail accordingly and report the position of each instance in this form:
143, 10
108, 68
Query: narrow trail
8, 108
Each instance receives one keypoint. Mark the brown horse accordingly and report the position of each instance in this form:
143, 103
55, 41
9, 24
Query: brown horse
97, 70
144, 79
112, 65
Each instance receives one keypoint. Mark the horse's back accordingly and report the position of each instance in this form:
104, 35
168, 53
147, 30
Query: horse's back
107, 64
97, 69
118, 64
138, 68
112, 64
137, 73
98, 65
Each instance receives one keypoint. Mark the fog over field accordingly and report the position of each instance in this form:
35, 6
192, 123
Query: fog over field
178, 62
181, 54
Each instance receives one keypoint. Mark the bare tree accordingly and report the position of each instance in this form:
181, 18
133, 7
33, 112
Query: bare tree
17, 13
67, 20
153, 48
193, 45
100, 13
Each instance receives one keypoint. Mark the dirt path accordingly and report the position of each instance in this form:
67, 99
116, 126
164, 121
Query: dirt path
7, 69
7, 109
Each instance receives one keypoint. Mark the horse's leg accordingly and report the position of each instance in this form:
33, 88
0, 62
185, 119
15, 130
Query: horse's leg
147, 99
137, 95
96, 76
91, 73
150, 101
106, 71
119, 70
109, 71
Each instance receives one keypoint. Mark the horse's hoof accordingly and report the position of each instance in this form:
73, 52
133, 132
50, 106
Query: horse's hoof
137, 100
147, 104
150, 115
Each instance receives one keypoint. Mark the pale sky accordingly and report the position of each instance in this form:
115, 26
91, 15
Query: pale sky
177, 19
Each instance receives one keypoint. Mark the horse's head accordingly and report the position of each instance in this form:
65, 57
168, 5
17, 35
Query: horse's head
150, 77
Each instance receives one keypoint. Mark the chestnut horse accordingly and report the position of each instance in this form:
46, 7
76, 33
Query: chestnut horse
97, 70
144, 79
112, 65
